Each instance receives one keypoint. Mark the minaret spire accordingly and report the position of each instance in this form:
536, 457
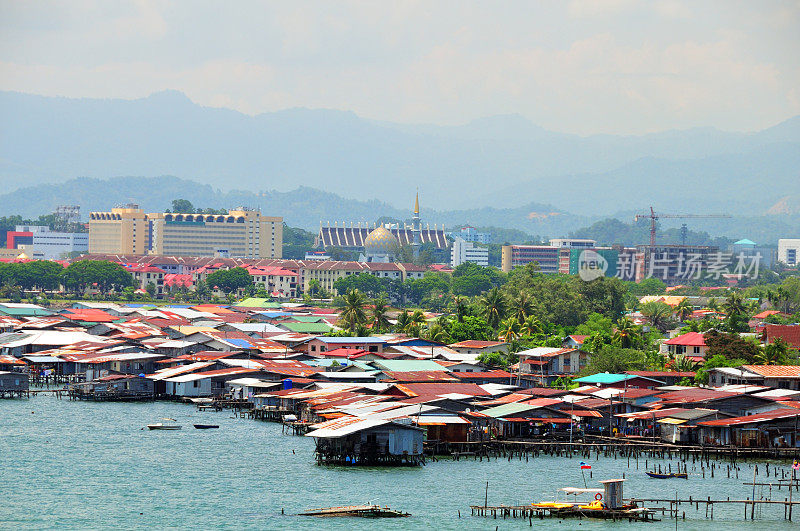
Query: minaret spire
416, 242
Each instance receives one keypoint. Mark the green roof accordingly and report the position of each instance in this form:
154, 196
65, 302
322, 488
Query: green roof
255, 302
604, 378
25, 311
307, 328
507, 409
745, 242
408, 365
307, 318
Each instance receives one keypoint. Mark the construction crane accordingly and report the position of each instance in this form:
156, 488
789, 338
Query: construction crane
654, 217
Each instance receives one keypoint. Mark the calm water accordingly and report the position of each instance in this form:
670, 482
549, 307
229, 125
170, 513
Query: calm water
83, 465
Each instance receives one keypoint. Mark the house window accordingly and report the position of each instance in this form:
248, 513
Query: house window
697, 350
373, 348
195, 383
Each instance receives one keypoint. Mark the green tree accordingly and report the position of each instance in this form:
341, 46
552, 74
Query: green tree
182, 206
773, 354
380, 319
658, 313
714, 361
531, 326
353, 312
102, 274
151, 289
495, 359
615, 360
494, 307
521, 306
471, 328
230, 280
510, 329
626, 334
684, 310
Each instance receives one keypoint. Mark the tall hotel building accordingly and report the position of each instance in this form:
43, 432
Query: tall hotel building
239, 234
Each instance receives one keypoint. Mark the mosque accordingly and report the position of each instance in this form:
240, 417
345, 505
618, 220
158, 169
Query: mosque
381, 243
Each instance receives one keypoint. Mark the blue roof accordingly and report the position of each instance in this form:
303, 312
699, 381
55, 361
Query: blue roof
604, 378
272, 315
239, 342
745, 242
351, 340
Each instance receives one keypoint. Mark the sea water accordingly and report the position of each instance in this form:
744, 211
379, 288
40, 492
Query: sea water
85, 465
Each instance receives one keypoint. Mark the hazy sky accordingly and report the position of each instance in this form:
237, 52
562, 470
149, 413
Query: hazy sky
584, 66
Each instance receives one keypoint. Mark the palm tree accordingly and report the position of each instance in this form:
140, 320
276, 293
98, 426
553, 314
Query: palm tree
509, 329
683, 310
773, 354
460, 307
531, 326
626, 333
521, 306
734, 306
402, 321
657, 313
494, 307
380, 320
353, 312
712, 304
684, 364
436, 332
417, 319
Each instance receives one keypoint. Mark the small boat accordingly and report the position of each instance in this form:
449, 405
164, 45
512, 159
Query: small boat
670, 475
364, 511
205, 426
162, 426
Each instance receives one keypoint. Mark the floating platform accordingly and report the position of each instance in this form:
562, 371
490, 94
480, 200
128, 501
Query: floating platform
362, 511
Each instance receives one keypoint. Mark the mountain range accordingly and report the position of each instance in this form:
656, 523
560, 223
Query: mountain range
493, 165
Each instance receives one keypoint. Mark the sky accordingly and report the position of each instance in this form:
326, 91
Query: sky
578, 66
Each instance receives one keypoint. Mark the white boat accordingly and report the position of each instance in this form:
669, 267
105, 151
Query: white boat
162, 426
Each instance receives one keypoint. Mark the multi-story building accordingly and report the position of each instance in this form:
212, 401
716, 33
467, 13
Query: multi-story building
789, 251
471, 234
464, 251
124, 230
546, 256
239, 234
573, 243
43, 244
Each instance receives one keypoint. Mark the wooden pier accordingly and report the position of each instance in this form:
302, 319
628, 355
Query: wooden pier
529, 512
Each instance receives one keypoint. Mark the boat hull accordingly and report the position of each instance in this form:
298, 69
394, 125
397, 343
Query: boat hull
655, 475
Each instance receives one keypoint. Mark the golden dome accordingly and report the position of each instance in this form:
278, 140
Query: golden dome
381, 241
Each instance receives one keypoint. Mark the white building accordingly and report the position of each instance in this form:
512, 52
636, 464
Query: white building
789, 251
470, 234
573, 243
464, 251
49, 245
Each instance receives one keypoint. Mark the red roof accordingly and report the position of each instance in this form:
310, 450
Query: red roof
775, 414
765, 314
437, 389
789, 333
578, 339
6, 359
775, 371
690, 339
694, 394
344, 353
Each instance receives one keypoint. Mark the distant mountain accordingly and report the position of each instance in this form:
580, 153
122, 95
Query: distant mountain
505, 161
